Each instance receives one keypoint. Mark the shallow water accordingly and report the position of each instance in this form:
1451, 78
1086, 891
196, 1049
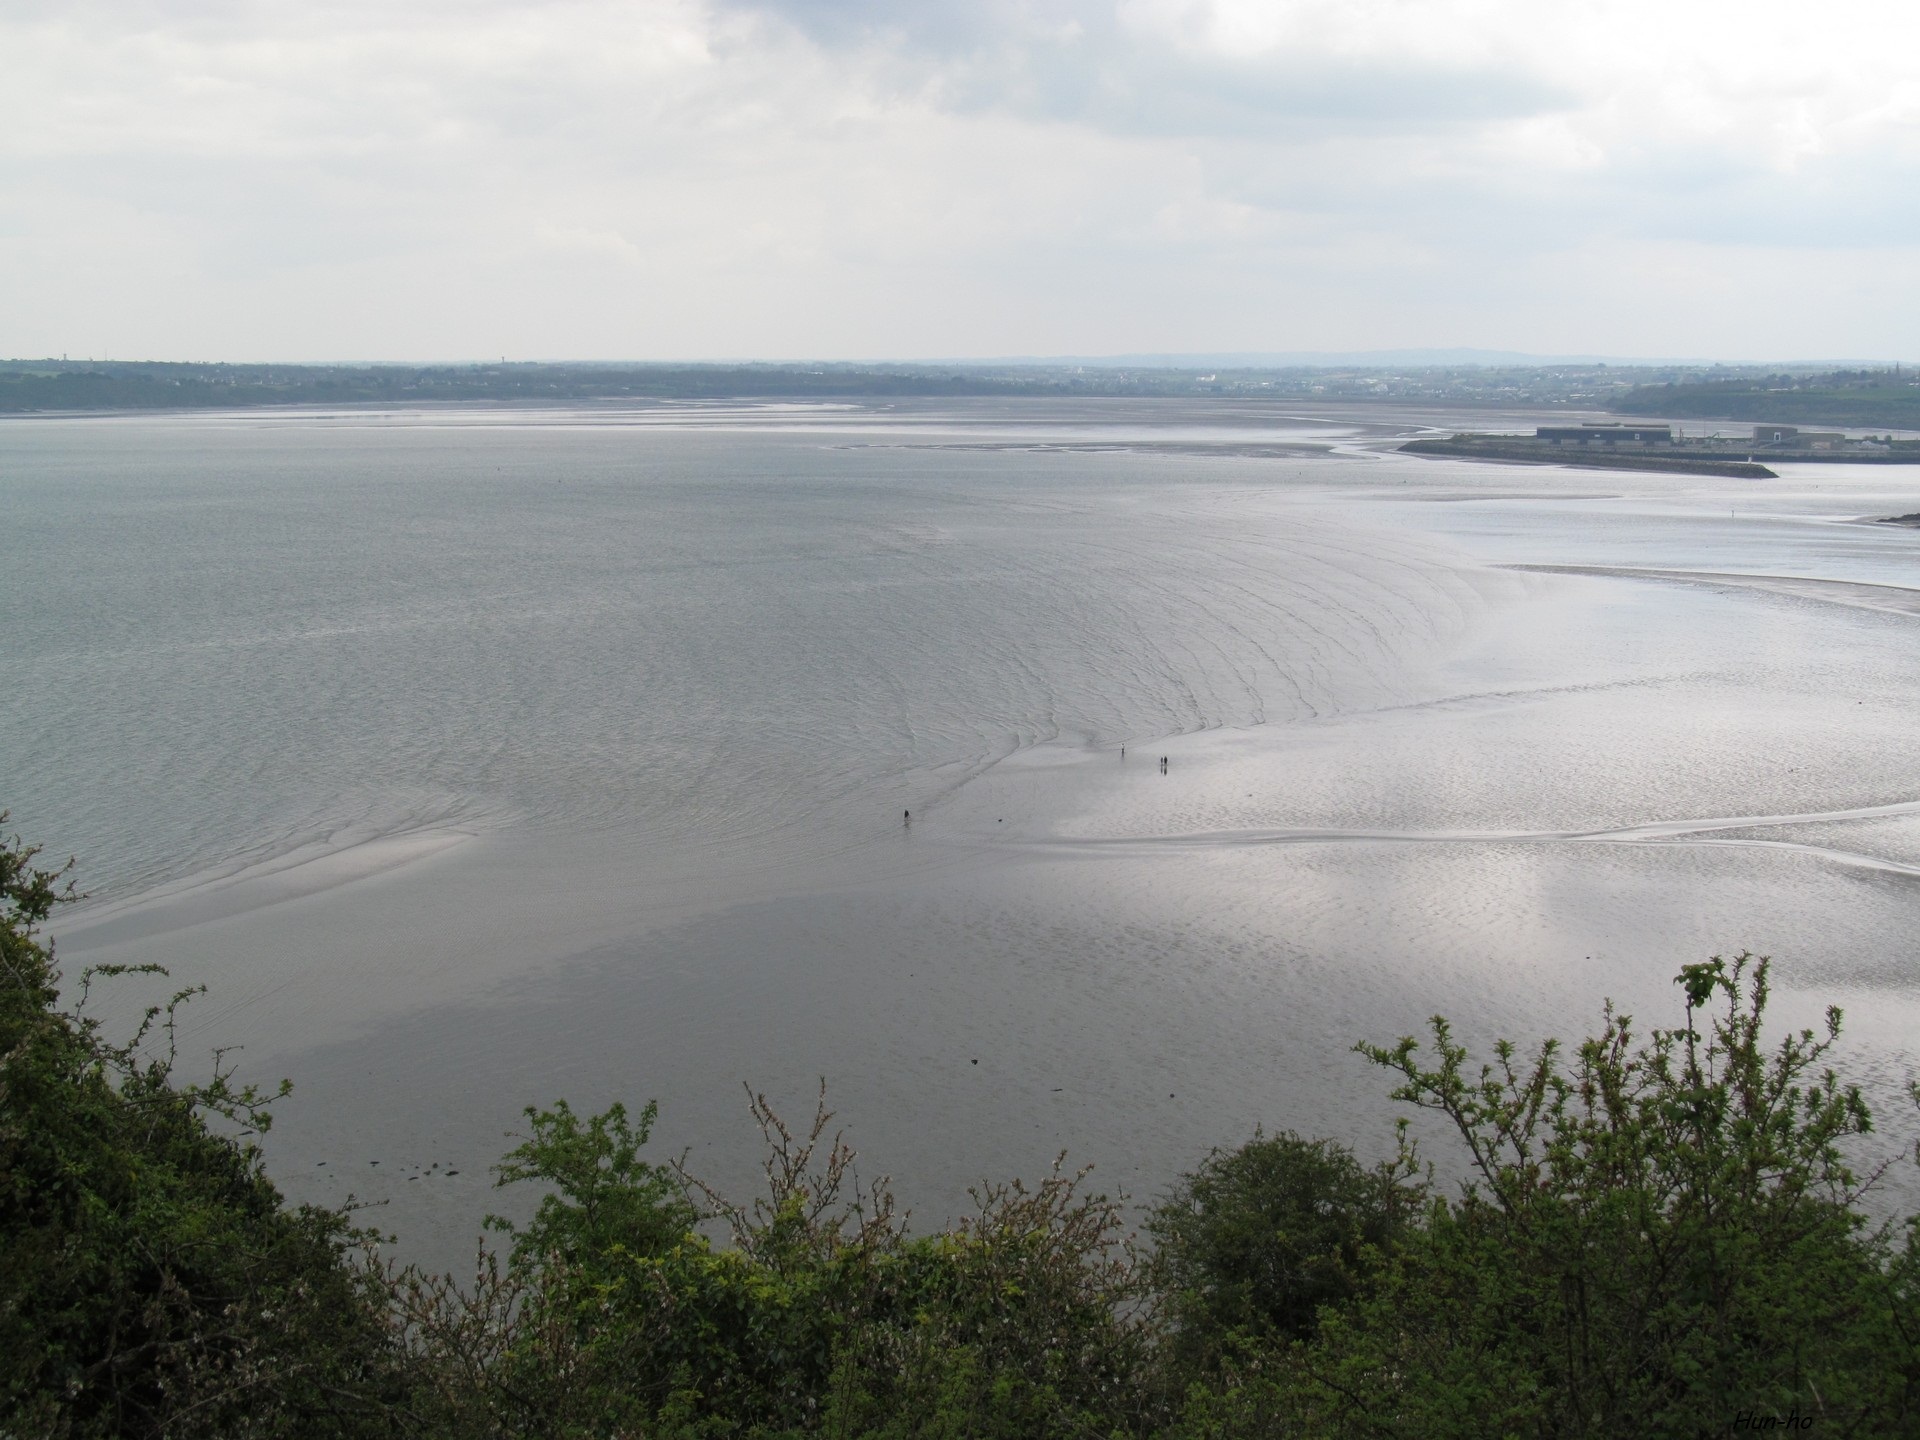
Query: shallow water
474, 759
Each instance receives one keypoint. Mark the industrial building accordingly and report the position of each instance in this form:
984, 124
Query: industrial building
1797, 438
1606, 432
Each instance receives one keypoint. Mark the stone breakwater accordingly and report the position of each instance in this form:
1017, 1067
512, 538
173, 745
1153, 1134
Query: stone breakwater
1586, 458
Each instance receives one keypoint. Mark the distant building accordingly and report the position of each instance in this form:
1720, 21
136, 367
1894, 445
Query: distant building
1799, 439
1606, 432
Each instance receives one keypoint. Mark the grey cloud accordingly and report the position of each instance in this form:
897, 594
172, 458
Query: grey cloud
1151, 95
1074, 62
936, 27
841, 176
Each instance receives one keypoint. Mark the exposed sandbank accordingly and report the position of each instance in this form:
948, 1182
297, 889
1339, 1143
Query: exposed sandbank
342, 858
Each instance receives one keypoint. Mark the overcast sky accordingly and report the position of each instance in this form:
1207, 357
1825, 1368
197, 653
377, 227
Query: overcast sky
456, 179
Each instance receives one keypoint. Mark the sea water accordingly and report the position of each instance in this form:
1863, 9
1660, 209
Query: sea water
478, 758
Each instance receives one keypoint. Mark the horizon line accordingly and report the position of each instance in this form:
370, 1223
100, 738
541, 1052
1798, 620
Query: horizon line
1427, 357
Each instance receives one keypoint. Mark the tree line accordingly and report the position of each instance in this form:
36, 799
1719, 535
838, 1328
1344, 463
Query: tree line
1888, 397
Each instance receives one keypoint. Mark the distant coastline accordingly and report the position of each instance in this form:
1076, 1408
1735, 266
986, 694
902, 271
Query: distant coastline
1884, 398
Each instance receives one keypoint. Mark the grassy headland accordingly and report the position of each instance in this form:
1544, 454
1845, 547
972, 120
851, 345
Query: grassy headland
1869, 398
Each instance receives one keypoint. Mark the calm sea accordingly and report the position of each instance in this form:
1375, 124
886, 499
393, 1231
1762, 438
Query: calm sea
475, 758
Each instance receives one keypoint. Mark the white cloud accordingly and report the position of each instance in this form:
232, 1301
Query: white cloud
842, 177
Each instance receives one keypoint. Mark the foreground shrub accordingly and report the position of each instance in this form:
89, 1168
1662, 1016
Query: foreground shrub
823, 1315
1663, 1237
151, 1280
1254, 1243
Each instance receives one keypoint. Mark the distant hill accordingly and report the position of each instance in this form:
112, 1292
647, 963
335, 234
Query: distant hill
28, 386
1456, 357
122, 385
1861, 398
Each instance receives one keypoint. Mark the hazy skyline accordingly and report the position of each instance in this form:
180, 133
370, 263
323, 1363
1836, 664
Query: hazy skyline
206, 179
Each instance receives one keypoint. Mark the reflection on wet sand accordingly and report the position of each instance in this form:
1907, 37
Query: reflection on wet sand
1663, 832
1896, 599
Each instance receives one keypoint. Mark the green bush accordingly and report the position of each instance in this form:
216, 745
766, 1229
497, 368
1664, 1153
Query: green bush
152, 1282
822, 1316
1662, 1237
1252, 1244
